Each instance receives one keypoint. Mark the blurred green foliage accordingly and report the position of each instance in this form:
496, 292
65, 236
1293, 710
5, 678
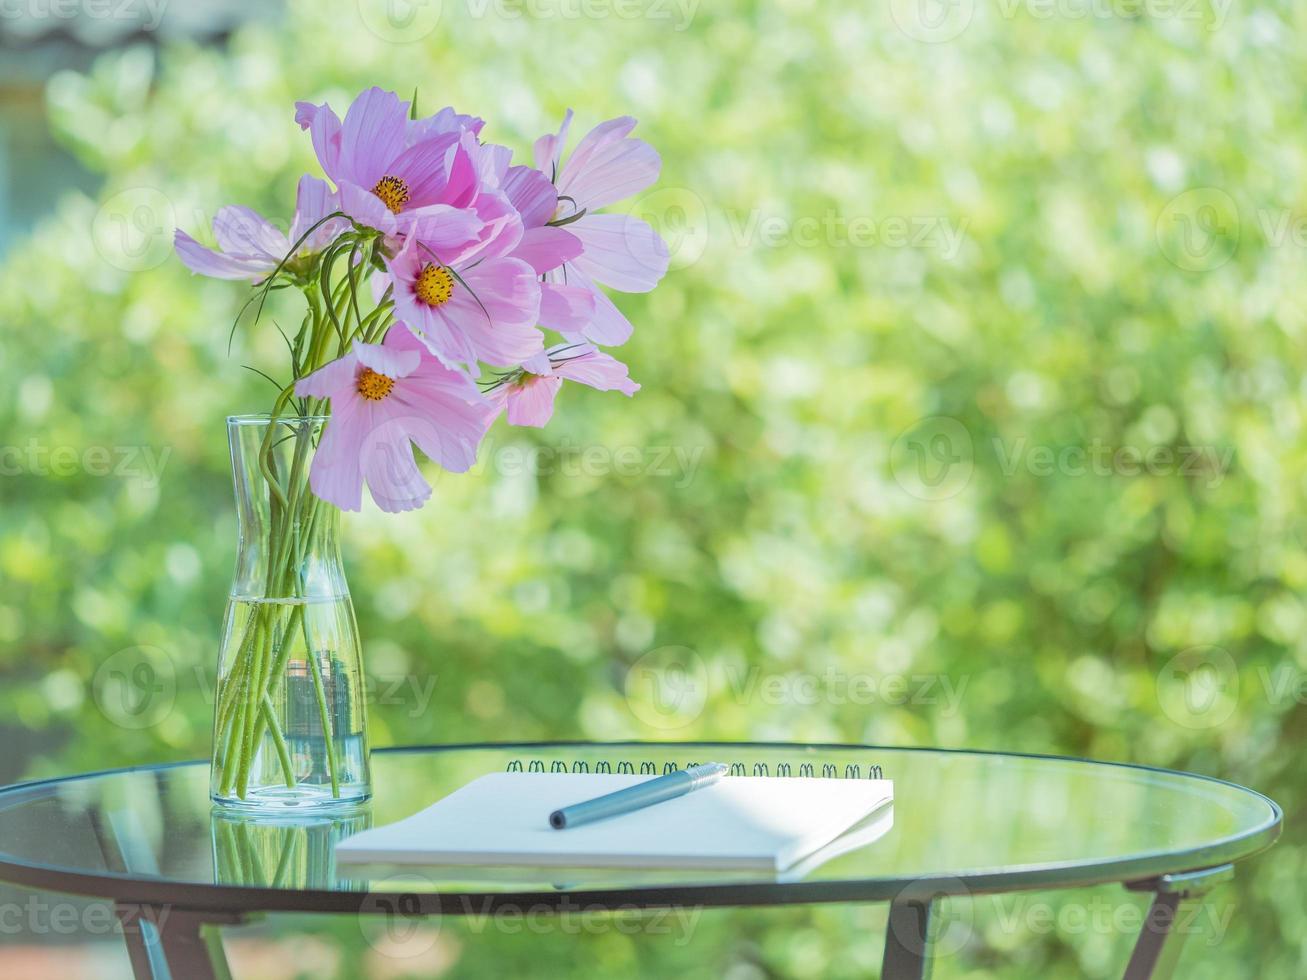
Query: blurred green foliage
778, 506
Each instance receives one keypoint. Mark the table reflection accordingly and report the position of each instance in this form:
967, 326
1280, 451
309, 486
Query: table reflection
283, 852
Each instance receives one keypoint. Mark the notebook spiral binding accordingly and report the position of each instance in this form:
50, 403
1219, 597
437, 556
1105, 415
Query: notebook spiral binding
806, 769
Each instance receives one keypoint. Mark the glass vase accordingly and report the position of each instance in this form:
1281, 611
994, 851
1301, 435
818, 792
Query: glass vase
290, 722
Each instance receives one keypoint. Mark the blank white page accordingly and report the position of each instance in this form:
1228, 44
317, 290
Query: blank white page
739, 822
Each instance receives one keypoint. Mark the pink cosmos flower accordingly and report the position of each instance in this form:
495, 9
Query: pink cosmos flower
529, 398
464, 313
385, 397
480, 169
389, 183
620, 251
250, 246
545, 247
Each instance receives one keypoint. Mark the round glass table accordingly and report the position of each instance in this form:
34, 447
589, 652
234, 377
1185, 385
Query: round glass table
962, 823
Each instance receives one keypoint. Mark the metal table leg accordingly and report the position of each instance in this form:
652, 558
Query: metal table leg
909, 940
1175, 897
175, 944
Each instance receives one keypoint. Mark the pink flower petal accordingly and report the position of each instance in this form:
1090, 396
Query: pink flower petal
444, 121
596, 369
330, 381
546, 248
207, 262
532, 402
242, 231
609, 173
447, 428
606, 133
305, 113
443, 229
491, 162
386, 458
567, 309
391, 362
324, 128
424, 168
620, 251
443, 335
548, 150
372, 136
336, 475
508, 290
314, 200
463, 180
608, 326
539, 364
366, 208
532, 193
500, 231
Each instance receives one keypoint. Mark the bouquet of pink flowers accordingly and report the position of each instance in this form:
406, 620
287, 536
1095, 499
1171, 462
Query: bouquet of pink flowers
443, 285
430, 257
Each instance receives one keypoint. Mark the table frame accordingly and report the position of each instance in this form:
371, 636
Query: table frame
170, 939
169, 943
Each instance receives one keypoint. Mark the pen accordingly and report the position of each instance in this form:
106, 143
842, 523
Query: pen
637, 797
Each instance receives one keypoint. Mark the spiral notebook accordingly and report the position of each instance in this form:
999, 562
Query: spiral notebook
762, 823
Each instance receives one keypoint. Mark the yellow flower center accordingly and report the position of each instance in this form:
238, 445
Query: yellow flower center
393, 193
373, 386
434, 284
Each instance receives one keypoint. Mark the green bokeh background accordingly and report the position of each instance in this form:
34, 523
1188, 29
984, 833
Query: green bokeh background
1041, 233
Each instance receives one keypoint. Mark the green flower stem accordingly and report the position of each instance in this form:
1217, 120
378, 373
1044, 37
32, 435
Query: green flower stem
229, 857
278, 740
245, 707
288, 849
253, 697
328, 735
230, 763
252, 859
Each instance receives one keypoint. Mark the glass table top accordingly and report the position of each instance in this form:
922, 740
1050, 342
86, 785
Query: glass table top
961, 821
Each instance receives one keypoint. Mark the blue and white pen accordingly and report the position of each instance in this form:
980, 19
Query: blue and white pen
639, 796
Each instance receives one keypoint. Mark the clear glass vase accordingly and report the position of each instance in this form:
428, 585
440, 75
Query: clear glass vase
290, 722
